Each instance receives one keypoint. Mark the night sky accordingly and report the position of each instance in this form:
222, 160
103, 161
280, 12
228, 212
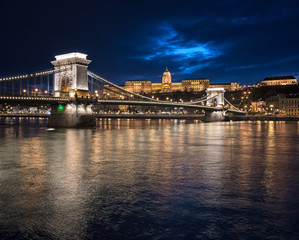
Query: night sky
224, 41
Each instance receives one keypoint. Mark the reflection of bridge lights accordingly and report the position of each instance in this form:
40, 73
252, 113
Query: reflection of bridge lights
81, 109
89, 109
60, 107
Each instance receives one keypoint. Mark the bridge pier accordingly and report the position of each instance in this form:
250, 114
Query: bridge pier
71, 115
214, 116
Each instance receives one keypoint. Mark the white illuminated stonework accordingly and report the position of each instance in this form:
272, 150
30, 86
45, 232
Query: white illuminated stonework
166, 81
218, 93
71, 55
72, 79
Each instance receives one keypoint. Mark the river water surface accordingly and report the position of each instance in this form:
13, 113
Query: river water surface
149, 179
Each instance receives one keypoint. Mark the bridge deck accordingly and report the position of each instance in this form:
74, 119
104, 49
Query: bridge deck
113, 102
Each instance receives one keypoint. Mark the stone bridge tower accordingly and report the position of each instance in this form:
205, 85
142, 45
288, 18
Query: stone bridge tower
72, 80
218, 93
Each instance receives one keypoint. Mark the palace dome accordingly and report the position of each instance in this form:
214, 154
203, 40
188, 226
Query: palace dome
166, 76
167, 73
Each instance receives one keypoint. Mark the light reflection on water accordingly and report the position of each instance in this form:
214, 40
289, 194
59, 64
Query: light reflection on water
149, 179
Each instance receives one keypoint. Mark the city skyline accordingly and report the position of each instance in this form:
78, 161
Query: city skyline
231, 41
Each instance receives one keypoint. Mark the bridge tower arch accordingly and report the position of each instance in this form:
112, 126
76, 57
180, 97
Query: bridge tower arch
72, 80
218, 93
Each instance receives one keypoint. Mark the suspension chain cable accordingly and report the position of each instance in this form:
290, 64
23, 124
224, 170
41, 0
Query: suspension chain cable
231, 104
95, 76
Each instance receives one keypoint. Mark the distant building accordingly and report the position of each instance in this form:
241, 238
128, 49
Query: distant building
258, 106
289, 106
176, 87
156, 87
279, 81
139, 86
272, 104
233, 86
195, 85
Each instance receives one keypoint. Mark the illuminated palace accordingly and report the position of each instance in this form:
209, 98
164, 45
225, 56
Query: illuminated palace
279, 81
187, 85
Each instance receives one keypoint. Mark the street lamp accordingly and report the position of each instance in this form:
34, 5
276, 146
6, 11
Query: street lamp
24, 91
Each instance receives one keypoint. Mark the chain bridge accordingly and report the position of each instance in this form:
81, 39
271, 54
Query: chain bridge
73, 92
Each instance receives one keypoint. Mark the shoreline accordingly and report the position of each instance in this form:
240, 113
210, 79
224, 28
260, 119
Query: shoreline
261, 118
166, 116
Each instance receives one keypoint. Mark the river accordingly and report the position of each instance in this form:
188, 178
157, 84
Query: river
149, 179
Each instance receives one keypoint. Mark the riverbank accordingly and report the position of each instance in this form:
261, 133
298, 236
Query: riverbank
261, 118
18, 115
151, 116
167, 116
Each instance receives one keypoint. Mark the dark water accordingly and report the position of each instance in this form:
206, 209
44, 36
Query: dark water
145, 179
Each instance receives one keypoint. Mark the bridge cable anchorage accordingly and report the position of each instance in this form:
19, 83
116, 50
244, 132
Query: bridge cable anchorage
231, 104
33, 75
97, 77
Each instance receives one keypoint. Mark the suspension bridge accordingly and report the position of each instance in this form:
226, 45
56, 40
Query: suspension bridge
73, 91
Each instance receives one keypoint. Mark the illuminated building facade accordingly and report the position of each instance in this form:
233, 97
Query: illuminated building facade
139, 86
258, 106
195, 85
233, 86
187, 85
279, 81
289, 106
